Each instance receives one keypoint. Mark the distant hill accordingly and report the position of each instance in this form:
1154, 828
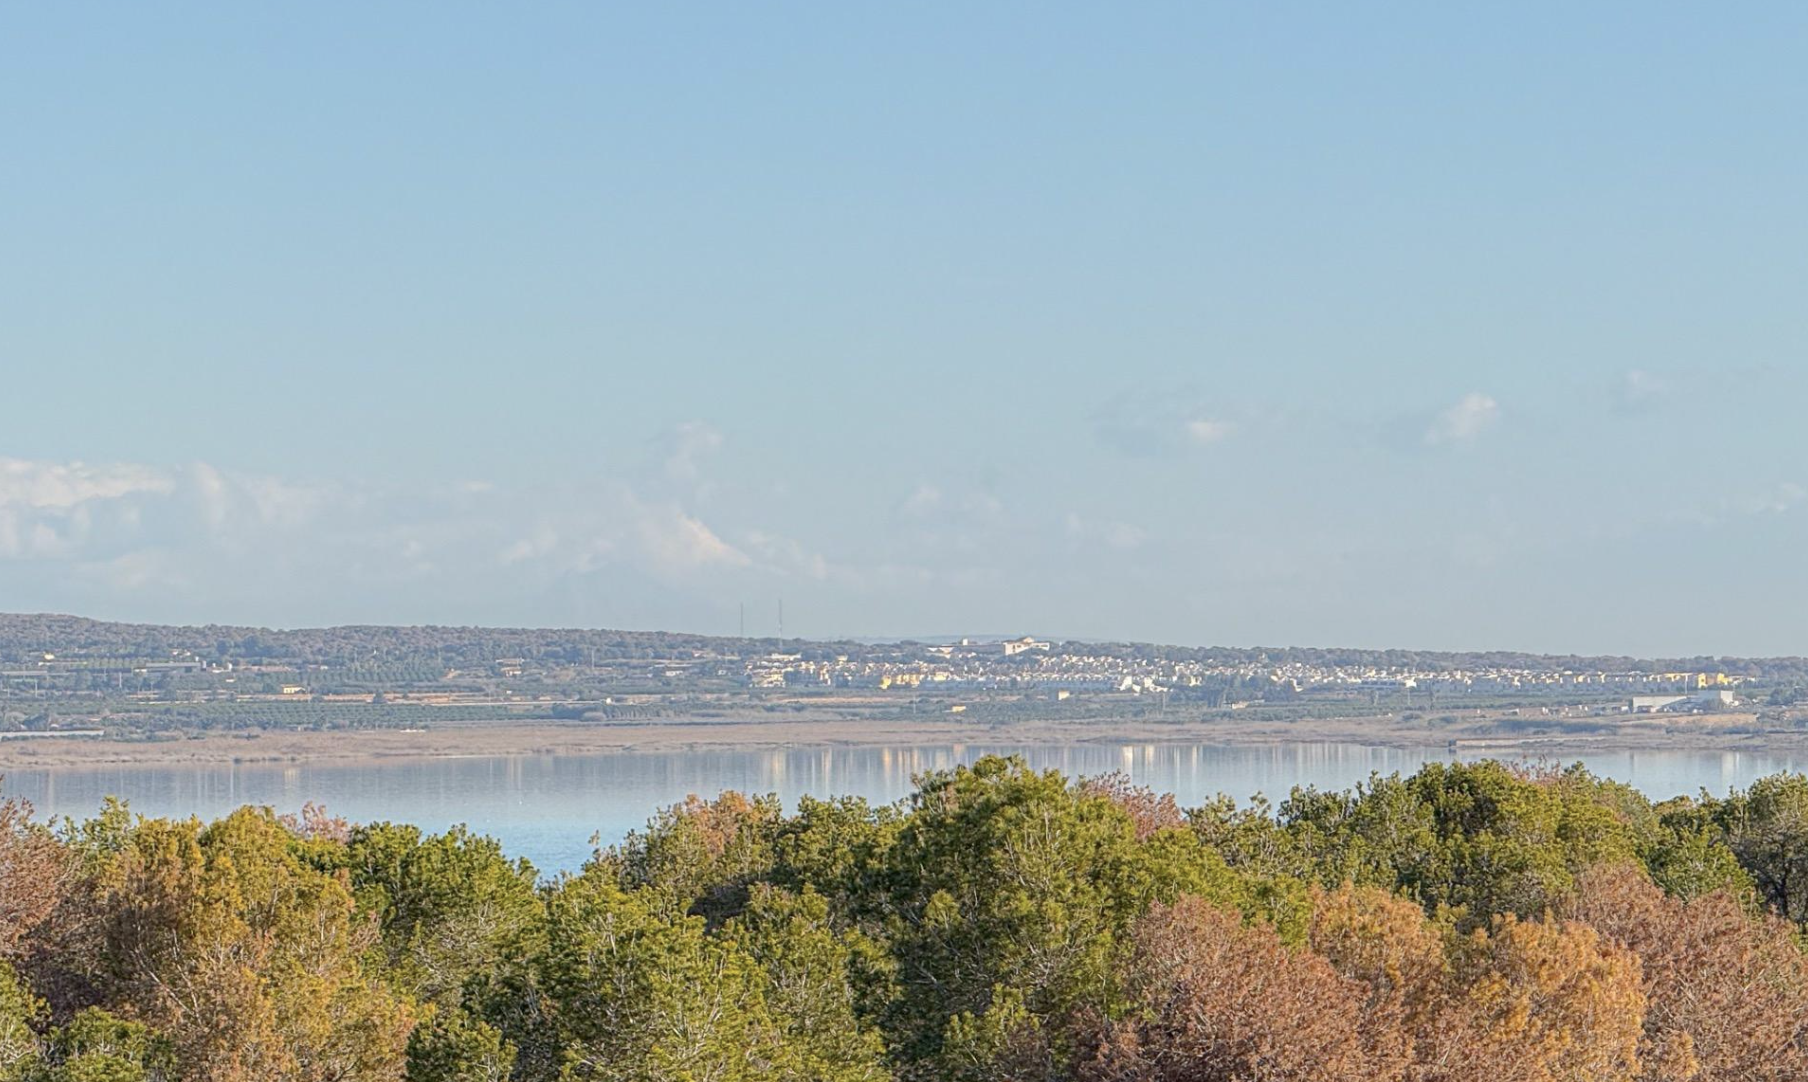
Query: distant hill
26, 638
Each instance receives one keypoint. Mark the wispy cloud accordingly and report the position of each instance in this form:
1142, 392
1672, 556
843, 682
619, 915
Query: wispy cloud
1638, 391
932, 517
677, 543
685, 447
139, 518
538, 544
792, 558
1203, 432
1474, 414
1159, 425
924, 500
77, 511
1777, 499
41, 486
1118, 536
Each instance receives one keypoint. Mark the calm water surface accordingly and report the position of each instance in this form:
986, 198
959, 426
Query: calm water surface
547, 808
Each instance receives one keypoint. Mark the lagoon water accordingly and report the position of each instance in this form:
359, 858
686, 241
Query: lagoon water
548, 808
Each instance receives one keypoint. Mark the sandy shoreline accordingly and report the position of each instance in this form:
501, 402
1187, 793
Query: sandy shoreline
1729, 733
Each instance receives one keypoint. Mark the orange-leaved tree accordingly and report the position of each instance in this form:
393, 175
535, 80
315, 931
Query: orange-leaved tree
1727, 992
1535, 1001
1216, 999
248, 959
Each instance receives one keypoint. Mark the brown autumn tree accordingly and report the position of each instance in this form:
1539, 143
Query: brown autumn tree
1152, 812
1727, 994
34, 872
1215, 1000
1534, 1001
251, 962
1385, 943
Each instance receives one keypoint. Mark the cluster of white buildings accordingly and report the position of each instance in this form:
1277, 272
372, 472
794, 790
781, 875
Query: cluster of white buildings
1031, 664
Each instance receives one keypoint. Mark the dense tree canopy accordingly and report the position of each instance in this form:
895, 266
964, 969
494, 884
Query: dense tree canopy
1470, 922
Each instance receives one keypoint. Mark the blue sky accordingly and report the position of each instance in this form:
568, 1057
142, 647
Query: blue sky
1321, 324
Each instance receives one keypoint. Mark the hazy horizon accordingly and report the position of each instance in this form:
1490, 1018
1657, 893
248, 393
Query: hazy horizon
1181, 324
753, 633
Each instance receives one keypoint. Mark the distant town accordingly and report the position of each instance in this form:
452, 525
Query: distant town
66, 676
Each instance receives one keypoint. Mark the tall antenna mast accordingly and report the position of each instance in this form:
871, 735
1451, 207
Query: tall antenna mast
781, 617
743, 619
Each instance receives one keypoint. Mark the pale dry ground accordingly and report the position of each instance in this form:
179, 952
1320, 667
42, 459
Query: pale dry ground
1478, 736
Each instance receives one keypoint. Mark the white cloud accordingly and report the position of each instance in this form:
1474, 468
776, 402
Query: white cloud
676, 543
94, 518
960, 519
135, 571
973, 508
1473, 415
241, 511
209, 490
75, 511
684, 449
788, 556
22, 539
983, 507
1159, 425
1639, 391
542, 542
201, 541
128, 523
923, 501
1120, 536
280, 503
61, 485
1124, 536
1202, 431
1776, 500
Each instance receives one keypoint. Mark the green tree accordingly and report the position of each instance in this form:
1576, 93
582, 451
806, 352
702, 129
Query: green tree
454, 1047
20, 1013
1766, 829
1688, 858
1004, 878
702, 856
1251, 839
1481, 839
97, 1047
448, 904
640, 995
838, 848
1382, 833
812, 975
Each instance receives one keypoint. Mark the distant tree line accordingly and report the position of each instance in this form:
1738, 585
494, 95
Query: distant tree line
25, 638
428, 650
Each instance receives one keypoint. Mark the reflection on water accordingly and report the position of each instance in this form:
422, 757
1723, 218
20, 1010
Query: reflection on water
547, 808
